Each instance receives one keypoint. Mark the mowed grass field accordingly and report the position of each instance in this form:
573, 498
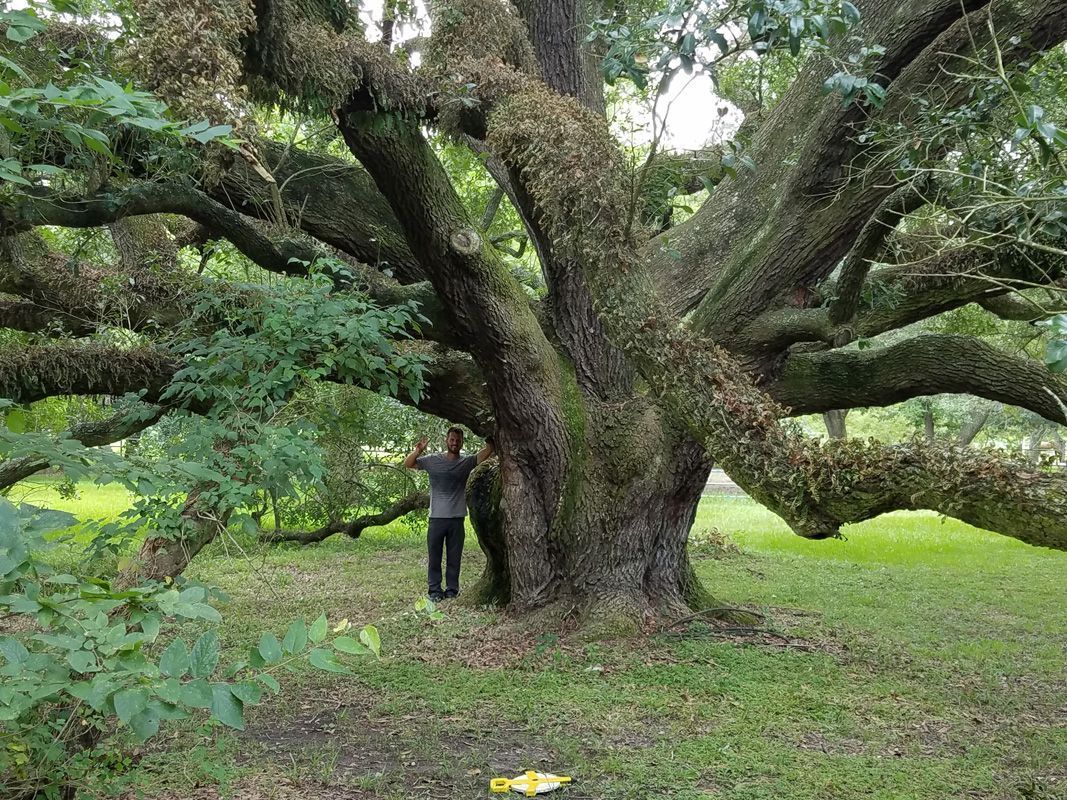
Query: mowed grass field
917, 658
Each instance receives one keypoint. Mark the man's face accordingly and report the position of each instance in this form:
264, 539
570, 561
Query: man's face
454, 442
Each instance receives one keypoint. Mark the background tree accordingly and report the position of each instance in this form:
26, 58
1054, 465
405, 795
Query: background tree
868, 193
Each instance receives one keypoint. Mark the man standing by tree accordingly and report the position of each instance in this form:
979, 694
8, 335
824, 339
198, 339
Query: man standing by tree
448, 473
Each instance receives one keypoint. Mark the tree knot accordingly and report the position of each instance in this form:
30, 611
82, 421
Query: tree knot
466, 241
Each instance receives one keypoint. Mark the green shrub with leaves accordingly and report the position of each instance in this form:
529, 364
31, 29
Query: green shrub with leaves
83, 666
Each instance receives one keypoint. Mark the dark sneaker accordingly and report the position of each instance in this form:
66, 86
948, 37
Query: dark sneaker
437, 597
451, 593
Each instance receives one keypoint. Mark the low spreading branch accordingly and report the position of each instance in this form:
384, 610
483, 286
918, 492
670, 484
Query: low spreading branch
28, 374
353, 528
282, 255
812, 383
91, 434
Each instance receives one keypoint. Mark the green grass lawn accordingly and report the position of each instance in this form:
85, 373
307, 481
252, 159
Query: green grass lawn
920, 659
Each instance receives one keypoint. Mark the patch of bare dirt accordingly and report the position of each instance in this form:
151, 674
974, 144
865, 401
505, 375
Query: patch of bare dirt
354, 753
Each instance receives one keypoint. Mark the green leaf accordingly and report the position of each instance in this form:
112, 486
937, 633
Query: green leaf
94, 692
325, 660
296, 638
11, 65
11, 648
369, 636
145, 725
150, 626
270, 649
130, 702
197, 694
213, 132
81, 660
16, 419
175, 659
1056, 355
270, 683
63, 641
346, 644
205, 655
247, 692
226, 708
170, 690
318, 629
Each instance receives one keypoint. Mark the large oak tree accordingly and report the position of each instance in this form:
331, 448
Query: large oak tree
657, 350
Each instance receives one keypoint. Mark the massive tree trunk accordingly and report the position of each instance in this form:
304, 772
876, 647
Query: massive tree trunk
615, 548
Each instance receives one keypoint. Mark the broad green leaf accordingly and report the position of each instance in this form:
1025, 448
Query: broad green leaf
11, 648
269, 648
170, 690
325, 660
346, 644
318, 629
150, 626
16, 419
94, 692
1056, 355
226, 708
11, 65
167, 710
175, 659
197, 694
81, 660
296, 638
247, 692
214, 132
205, 655
369, 636
130, 702
64, 641
145, 725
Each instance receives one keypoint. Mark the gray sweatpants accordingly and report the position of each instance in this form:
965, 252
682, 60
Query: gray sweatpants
444, 532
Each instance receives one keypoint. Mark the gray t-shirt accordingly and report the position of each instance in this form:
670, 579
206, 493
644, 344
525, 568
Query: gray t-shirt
448, 483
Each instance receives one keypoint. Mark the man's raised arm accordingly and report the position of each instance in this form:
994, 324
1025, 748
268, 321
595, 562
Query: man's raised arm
411, 461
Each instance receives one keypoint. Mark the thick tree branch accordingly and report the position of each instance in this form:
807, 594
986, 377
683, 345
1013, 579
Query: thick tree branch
487, 307
28, 374
355, 527
868, 247
1027, 306
283, 255
455, 390
899, 295
91, 434
26, 211
333, 201
903, 294
25, 315
783, 230
924, 365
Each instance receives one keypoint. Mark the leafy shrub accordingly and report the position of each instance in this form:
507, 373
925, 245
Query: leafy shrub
83, 666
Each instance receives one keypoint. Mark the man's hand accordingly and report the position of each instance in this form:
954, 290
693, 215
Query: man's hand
411, 462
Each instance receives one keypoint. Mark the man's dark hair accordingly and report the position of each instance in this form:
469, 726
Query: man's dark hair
454, 429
